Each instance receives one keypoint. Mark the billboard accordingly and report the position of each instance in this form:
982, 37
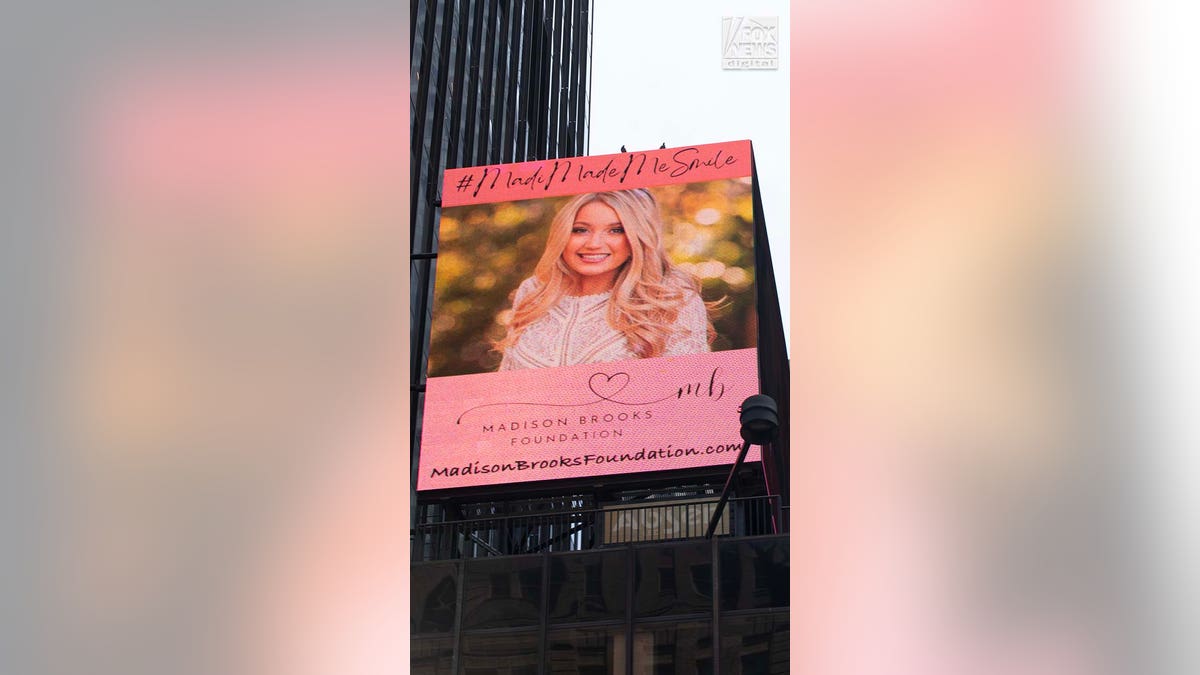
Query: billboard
591, 316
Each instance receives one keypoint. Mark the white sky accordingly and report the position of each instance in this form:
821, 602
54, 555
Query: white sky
657, 78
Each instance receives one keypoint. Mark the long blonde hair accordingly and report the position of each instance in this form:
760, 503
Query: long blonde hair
648, 292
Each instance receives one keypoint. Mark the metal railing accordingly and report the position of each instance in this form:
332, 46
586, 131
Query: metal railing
583, 529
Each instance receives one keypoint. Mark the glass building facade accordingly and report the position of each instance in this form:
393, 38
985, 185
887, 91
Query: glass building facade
695, 606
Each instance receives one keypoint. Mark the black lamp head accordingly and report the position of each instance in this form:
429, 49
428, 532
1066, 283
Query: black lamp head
760, 419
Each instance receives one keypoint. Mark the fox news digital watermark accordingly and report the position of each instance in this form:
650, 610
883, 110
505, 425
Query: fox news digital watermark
750, 43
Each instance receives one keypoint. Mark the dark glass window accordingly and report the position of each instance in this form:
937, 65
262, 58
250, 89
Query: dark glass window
754, 574
587, 587
755, 645
586, 652
431, 657
668, 649
503, 592
673, 579
500, 654
434, 593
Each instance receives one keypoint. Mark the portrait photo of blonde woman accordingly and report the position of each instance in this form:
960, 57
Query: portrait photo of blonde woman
605, 290
595, 277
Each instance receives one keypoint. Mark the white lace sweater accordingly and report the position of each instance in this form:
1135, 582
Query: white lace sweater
576, 330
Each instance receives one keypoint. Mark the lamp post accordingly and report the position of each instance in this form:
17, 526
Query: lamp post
760, 424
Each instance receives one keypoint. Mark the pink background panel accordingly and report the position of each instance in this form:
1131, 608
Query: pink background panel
578, 421
596, 173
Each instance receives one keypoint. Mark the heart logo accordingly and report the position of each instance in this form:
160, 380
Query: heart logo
607, 386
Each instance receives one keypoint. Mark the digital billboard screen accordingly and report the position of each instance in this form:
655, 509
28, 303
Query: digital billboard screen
591, 316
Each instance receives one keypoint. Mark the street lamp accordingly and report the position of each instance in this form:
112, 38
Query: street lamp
760, 419
760, 424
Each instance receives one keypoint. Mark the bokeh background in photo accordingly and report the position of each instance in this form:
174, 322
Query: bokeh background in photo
487, 250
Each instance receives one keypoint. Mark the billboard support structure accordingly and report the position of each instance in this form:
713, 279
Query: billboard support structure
760, 423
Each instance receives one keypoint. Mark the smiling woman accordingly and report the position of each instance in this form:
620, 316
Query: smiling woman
605, 290
597, 248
